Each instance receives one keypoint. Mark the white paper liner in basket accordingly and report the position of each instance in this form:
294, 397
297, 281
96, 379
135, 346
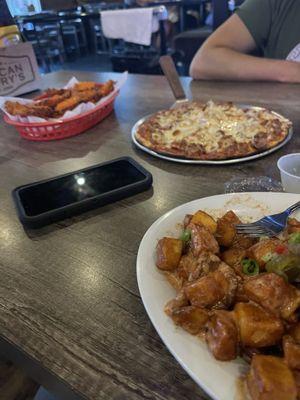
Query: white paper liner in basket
81, 108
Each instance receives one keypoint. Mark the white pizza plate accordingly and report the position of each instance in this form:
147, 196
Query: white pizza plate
214, 162
218, 379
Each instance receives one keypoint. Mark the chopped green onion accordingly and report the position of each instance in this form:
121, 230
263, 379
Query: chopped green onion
282, 263
287, 266
294, 248
250, 267
263, 238
269, 256
294, 238
186, 235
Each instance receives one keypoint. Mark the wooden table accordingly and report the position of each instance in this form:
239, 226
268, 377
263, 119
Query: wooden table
70, 309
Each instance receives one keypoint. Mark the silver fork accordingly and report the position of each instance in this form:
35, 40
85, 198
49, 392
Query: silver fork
269, 225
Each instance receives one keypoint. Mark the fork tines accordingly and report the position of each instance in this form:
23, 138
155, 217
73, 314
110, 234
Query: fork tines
253, 230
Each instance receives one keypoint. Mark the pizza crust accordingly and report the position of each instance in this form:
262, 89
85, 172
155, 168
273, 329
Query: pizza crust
210, 131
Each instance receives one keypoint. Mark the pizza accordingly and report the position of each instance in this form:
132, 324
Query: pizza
211, 131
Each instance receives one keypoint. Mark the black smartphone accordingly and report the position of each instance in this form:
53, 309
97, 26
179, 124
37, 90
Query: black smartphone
51, 200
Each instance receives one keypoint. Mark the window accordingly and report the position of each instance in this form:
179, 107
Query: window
21, 7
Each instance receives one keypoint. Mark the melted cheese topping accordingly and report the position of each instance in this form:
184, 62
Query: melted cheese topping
208, 124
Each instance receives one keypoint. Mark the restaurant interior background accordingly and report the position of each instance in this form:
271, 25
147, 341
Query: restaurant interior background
67, 34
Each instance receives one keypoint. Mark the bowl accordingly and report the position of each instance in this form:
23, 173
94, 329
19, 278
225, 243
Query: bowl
289, 167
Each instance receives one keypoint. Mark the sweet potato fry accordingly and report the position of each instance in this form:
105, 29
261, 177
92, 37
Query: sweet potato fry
52, 101
25, 110
106, 88
83, 86
67, 104
55, 102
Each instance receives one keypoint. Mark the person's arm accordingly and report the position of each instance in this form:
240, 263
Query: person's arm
224, 56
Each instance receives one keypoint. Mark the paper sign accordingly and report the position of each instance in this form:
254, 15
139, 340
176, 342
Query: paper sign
18, 70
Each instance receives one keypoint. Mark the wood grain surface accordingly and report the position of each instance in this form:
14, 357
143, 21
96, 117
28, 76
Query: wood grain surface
70, 309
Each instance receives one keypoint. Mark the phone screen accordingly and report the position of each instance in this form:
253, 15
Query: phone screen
75, 187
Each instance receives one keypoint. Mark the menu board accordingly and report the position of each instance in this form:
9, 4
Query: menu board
19, 72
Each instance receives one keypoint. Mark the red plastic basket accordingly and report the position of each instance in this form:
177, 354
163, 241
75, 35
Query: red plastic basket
43, 131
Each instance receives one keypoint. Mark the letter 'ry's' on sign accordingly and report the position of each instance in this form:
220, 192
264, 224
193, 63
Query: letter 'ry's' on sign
18, 70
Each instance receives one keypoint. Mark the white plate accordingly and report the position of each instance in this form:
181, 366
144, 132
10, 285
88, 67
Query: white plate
218, 379
214, 162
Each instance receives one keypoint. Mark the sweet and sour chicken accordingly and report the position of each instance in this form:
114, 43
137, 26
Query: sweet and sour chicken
242, 295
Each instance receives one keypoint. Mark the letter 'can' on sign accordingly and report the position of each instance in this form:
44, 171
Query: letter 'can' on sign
19, 72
